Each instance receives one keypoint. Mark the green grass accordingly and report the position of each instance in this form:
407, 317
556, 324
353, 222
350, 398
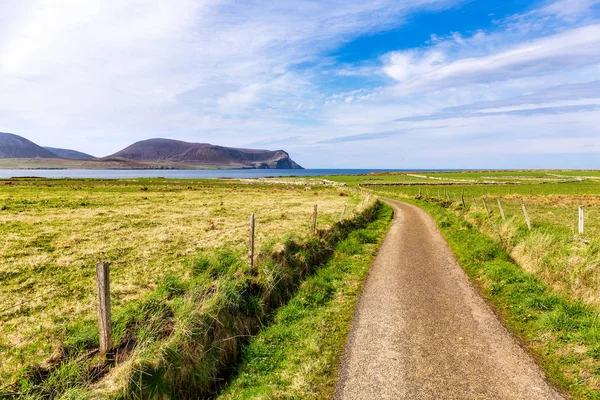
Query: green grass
52, 232
561, 333
180, 338
298, 356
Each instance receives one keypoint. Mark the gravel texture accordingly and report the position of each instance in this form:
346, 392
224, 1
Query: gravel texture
421, 331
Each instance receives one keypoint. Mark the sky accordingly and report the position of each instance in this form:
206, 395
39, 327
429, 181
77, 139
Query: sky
336, 83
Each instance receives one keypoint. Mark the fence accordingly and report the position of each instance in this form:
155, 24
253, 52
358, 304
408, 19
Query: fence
532, 210
103, 280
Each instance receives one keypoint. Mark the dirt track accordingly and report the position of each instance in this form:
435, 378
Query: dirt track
422, 332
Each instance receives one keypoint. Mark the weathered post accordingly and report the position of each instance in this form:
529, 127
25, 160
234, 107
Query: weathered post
251, 247
455, 199
474, 202
487, 210
343, 213
438, 194
462, 197
501, 210
427, 193
105, 330
314, 227
526, 215
447, 195
581, 220
419, 191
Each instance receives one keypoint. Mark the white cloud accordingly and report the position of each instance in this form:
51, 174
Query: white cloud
97, 75
130, 69
573, 48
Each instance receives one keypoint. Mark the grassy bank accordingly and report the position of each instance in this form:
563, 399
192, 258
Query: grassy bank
52, 232
299, 354
182, 337
560, 332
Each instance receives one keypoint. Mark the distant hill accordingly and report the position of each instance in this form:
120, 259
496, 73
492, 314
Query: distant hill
175, 151
14, 146
69, 154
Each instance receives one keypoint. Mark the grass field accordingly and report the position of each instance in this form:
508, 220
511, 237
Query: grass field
54, 231
299, 355
545, 281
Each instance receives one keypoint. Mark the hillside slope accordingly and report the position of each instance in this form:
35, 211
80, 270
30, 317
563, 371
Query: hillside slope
69, 154
167, 150
14, 146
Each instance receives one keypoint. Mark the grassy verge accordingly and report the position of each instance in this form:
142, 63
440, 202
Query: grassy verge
561, 333
53, 231
183, 337
299, 354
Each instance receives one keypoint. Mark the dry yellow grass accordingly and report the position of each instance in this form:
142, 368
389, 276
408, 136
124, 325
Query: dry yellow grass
53, 233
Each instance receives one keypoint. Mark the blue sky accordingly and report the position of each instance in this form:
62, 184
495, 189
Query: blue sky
338, 84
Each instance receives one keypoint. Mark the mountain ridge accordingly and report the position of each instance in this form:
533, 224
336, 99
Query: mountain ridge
151, 153
169, 150
15, 146
69, 154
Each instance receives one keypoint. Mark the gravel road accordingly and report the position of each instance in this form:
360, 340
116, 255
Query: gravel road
421, 331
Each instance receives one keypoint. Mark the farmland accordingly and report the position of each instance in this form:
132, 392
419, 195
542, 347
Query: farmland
54, 231
554, 249
544, 281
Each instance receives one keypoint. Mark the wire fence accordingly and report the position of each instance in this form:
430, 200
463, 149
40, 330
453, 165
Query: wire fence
254, 227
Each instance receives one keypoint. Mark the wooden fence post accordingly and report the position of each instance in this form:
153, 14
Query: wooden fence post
438, 194
581, 220
501, 210
447, 195
427, 192
251, 247
487, 210
474, 202
419, 191
455, 198
462, 198
314, 227
103, 283
526, 215
343, 213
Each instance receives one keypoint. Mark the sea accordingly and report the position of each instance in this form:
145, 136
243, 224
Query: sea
185, 174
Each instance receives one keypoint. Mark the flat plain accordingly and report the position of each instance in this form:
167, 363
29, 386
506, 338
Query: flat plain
54, 231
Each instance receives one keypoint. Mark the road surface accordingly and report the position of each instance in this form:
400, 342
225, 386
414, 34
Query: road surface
421, 331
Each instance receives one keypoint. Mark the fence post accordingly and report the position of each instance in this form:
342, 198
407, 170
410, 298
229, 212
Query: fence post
314, 227
105, 330
427, 193
501, 210
343, 213
251, 246
462, 198
438, 194
447, 195
487, 210
419, 191
455, 198
581, 220
526, 215
474, 202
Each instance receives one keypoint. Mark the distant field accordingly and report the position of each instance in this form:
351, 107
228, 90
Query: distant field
553, 250
551, 197
52, 232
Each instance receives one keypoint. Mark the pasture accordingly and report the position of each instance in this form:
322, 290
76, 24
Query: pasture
52, 233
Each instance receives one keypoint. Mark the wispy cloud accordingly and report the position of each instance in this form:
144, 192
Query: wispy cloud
431, 69
99, 74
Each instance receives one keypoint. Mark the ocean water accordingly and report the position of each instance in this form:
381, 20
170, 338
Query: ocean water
183, 174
